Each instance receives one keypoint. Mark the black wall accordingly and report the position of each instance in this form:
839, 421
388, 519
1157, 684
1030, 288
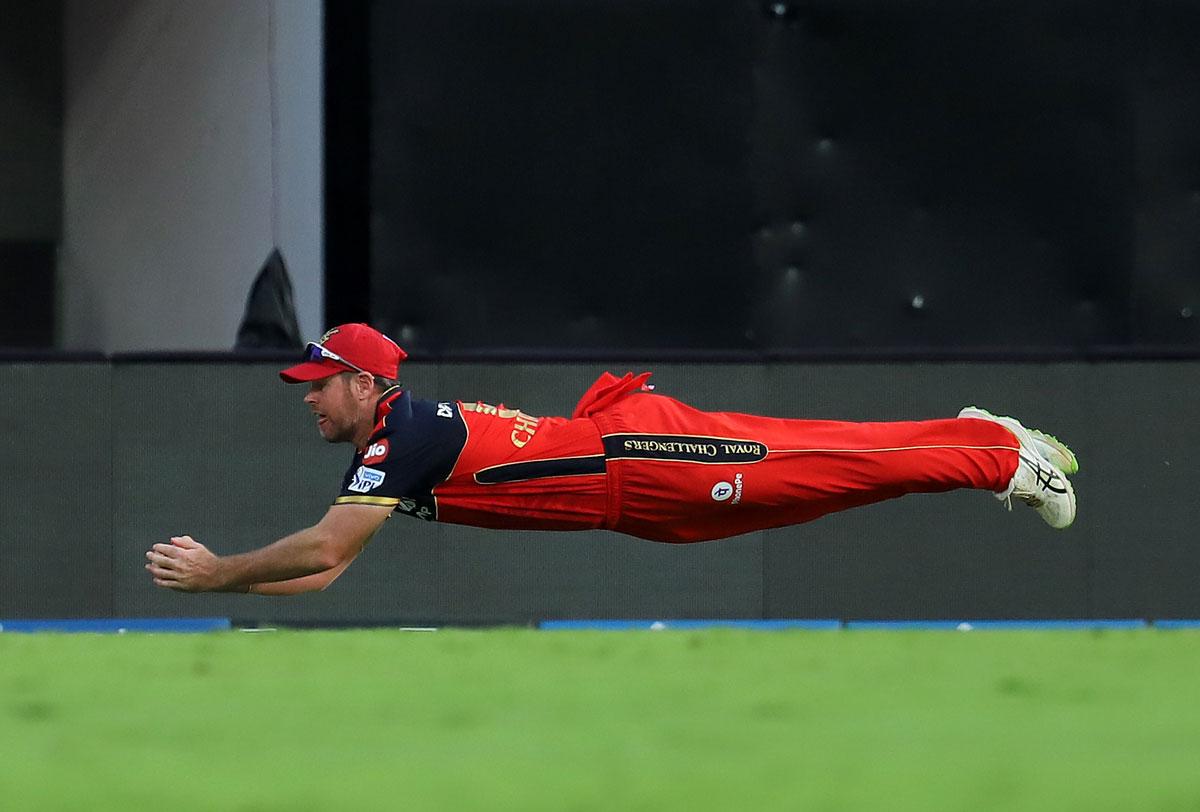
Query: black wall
31, 119
94, 472
27, 293
764, 177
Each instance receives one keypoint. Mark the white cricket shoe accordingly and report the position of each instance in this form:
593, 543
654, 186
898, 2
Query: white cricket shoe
1049, 446
1040, 480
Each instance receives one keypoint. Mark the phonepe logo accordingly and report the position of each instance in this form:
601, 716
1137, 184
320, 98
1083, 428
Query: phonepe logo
376, 453
723, 490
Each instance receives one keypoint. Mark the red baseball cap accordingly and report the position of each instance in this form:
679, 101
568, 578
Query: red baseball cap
353, 347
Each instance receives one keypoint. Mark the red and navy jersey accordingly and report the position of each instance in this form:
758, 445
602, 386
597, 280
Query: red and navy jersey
412, 449
477, 464
647, 465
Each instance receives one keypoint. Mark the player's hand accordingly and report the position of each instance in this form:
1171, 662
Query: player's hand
185, 565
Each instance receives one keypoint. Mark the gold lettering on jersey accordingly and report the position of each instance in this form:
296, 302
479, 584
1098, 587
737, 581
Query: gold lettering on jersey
489, 409
523, 429
743, 448
524, 426
683, 448
672, 447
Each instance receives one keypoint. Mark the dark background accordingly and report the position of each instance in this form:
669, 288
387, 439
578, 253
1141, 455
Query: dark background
31, 143
773, 177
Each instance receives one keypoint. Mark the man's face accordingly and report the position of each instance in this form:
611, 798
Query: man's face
335, 407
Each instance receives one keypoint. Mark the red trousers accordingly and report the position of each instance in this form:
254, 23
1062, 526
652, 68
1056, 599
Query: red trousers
676, 474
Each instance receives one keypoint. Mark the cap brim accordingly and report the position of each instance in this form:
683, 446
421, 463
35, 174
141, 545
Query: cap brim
310, 371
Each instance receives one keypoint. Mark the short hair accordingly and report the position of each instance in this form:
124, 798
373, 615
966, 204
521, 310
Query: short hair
381, 383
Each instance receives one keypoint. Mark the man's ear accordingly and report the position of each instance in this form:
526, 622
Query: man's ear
363, 385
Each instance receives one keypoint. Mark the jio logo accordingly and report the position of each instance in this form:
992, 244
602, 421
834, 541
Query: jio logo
722, 491
376, 453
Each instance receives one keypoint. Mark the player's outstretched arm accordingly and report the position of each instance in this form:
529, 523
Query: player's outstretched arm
306, 583
331, 544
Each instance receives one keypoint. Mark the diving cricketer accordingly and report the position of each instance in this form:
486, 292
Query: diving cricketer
629, 459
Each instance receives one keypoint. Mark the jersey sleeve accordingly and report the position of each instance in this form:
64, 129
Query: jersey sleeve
411, 452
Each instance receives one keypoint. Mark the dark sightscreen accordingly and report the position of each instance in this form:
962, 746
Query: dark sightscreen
593, 175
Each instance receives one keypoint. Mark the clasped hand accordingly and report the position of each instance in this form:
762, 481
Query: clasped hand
185, 565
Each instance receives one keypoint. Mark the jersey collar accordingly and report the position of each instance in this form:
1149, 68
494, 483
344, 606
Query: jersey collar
386, 403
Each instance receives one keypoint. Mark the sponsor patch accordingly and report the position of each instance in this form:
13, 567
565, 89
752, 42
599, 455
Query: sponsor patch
723, 490
376, 453
366, 479
682, 448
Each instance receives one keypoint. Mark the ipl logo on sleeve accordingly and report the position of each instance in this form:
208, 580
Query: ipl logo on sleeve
366, 479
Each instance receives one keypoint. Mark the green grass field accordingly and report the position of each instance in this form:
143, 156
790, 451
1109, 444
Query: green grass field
524, 720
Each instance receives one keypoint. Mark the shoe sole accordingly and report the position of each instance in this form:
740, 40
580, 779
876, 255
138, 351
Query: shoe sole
1060, 456
1071, 495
